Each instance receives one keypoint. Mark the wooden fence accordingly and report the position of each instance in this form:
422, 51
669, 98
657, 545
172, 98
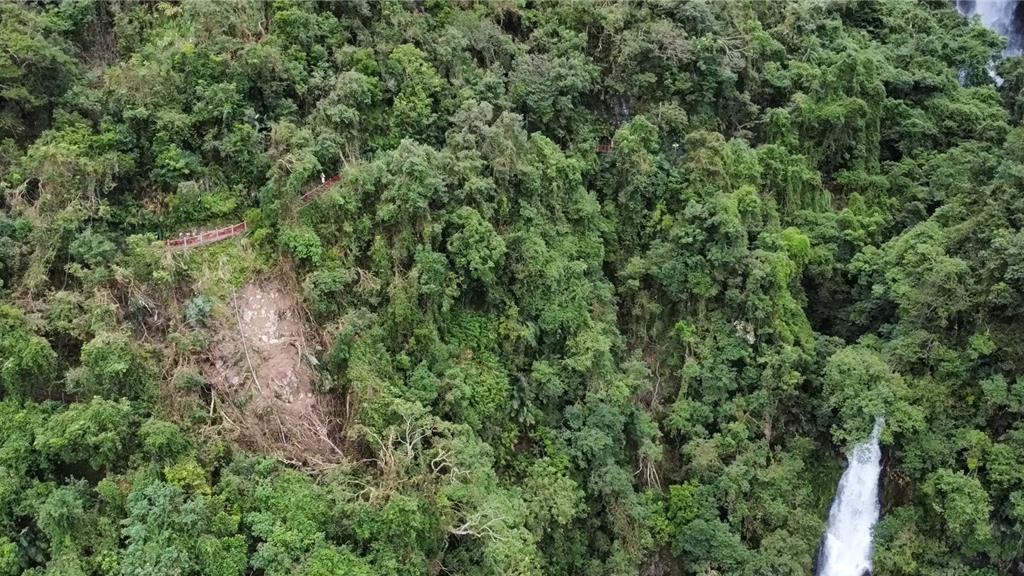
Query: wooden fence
312, 194
207, 237
210, 236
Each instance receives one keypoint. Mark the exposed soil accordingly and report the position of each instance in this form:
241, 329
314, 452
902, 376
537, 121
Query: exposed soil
259, 366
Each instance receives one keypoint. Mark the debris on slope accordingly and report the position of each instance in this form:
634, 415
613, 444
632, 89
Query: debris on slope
260, 370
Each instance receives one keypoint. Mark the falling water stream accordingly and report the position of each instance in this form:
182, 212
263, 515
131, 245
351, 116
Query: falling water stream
1002, 16
847, 548
1006, 17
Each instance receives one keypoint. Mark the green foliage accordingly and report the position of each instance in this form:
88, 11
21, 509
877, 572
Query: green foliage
533, 357
329, 560
161, 530
162, 440
36, 67
112, 366
223, 556
325, 289
862, 387
28, 364
198, 310
962, 505
98, 433
10, 564
475, 247
710, 545
195, 204
304, 245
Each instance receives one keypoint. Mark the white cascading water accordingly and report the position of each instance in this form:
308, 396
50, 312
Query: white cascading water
1000, 17
847, 547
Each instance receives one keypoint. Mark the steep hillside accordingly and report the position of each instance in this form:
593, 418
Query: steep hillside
506, 288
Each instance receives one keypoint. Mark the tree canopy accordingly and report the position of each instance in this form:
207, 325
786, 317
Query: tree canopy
604, 288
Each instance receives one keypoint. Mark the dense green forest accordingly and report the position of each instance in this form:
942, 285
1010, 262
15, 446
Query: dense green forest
604, 288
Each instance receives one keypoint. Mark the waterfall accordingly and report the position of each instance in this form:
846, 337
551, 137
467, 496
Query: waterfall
847, 548
1005, 17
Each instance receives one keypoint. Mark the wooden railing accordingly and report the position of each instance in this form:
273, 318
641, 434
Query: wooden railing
312, 194
207, 237
210, 236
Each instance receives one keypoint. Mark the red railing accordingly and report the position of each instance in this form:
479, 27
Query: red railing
208, 237
312, 194
605, 147
211, 236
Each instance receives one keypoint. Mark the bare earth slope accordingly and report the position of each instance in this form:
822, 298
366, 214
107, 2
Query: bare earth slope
259, 367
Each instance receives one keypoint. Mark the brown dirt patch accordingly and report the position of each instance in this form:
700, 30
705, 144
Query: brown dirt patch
259, 366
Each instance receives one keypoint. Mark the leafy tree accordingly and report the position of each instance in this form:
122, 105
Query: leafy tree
474, 245
37, 66
29, 363
112, 367
98, 433
862, 387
